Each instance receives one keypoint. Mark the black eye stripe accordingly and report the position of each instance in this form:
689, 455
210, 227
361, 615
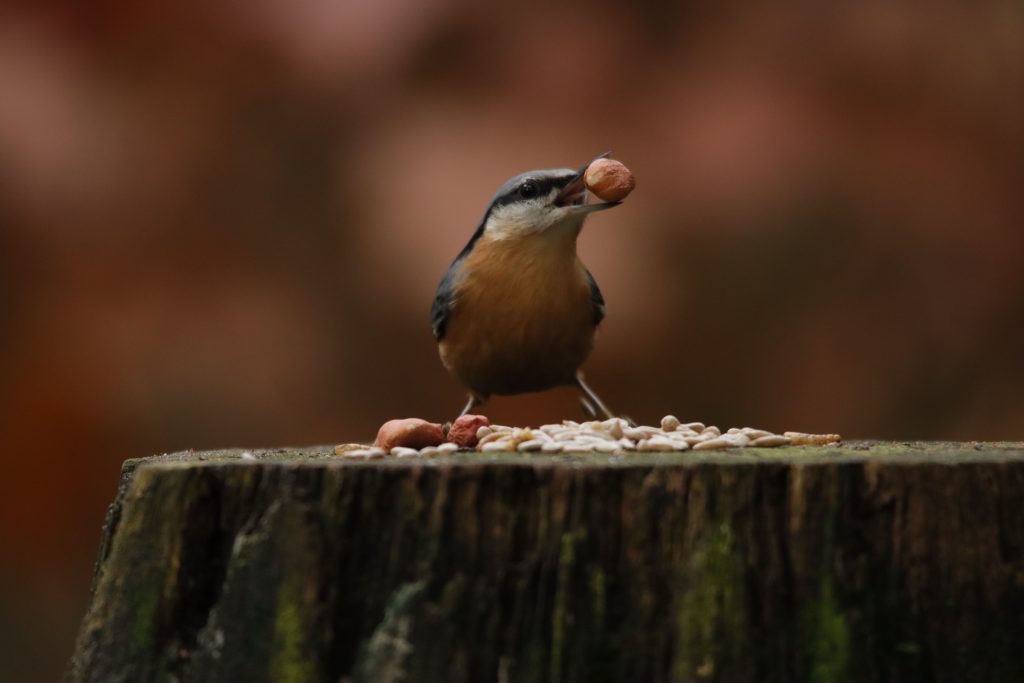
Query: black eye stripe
543, 188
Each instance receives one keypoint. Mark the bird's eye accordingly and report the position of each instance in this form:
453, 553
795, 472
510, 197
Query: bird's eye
528, 190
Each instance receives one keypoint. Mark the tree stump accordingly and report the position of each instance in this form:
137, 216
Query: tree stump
867, 562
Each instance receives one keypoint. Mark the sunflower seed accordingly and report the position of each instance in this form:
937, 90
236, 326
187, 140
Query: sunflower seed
669, 423
770, 441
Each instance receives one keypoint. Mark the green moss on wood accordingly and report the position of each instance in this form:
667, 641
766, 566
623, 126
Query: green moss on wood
825, 636
144, 618
711, 610
561, 617
292, 658
598, 595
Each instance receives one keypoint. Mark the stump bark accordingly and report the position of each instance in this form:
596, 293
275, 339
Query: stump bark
869, 562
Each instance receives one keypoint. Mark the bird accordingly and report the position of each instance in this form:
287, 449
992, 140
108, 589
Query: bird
517, 311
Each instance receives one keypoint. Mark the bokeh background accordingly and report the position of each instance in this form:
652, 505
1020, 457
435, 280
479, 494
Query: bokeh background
221, 224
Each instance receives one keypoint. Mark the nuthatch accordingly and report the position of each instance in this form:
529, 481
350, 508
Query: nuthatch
517, 310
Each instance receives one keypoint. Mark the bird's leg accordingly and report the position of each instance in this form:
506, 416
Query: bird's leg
588, 408
593, 399
473, 402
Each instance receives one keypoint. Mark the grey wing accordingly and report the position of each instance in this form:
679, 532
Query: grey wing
442, 306
596, 299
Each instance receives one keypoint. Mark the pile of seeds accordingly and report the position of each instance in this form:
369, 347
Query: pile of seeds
614, 436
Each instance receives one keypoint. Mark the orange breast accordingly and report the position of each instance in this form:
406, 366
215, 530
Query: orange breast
522, 318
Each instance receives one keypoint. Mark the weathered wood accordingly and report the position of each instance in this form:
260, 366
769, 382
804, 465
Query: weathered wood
870, 562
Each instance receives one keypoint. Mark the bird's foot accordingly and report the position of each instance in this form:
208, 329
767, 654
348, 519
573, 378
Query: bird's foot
475, 401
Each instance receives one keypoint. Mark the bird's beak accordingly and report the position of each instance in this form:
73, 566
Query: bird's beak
574, 194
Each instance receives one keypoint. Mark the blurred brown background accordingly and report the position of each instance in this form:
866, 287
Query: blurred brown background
222, 225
